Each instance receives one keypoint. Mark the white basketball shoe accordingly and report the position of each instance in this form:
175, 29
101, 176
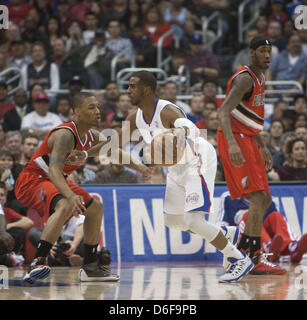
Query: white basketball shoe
232, 235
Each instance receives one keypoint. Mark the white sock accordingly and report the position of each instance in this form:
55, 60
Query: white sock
231, 251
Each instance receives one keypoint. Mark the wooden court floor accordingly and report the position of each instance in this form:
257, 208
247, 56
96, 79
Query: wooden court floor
161, 281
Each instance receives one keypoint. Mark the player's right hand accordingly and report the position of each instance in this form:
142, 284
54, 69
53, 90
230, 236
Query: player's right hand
235, 155
76, 157
77, 204
7, 240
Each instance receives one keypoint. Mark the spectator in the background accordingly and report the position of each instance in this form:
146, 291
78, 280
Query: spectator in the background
288, 119
5, 64
301, 133
210, 91
10, 170
171, 92
29, 145
96, 58
197, 109
262, 25
40, 121
276, 132
79, 10
290, 64
63, 15
13, 143
281, 157
118, 44
212, 123
19, 58
40, 70
85, 175
300, 103
75, 86
133, 15
178, 57
203, 64
122, 110
275, 36
177, 15
279, 107
34, 90
208, 108
12, 118
117, 11
63, 108
288, 28
91, 23
300, 121
143, 49
69, 65
243, 57
278, 12
5, 104
115, 173
155, 27
53, 29
75, 40
295, 169
111, 96
19, 10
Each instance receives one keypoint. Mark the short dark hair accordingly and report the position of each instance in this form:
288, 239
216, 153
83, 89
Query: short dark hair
147, 79
29, 135
78, 99
290, 144
2, 185
299, 96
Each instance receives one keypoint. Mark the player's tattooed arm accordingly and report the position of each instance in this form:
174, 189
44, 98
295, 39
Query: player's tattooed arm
241, 85
61, 143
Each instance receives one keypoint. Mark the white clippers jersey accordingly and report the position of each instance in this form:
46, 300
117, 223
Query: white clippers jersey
155, 127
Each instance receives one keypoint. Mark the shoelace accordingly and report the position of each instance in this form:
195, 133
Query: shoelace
105, 268
236, 267
265, 261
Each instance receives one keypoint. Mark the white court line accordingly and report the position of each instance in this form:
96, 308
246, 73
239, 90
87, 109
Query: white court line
117, 238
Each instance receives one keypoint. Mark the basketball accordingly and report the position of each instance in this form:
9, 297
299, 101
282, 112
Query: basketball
164, 150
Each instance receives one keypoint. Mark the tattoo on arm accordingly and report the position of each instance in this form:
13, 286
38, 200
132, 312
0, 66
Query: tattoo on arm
241, 85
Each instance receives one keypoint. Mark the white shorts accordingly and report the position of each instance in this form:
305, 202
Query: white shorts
193, 189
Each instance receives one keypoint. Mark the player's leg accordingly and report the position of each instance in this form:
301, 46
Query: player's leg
92, 268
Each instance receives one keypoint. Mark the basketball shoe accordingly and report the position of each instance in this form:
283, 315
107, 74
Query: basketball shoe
232, 235
238, 269
38, 270
263, 266
274, 248
298, 249
96, 271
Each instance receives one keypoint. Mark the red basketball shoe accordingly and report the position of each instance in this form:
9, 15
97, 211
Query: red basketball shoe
301, 248
263, 266
274, 249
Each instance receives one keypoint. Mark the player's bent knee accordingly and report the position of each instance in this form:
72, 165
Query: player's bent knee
96, 207
175, 221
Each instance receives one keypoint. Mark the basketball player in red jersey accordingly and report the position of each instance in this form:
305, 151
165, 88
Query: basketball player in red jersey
243, 153
42, 186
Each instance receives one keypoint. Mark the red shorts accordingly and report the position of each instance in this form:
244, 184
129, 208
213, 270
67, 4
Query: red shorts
251, 176
37, 192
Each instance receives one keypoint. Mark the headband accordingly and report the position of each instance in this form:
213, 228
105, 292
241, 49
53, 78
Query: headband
259, 43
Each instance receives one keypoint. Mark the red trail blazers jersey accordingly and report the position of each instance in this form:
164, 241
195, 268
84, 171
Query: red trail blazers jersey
40, 160
248, 116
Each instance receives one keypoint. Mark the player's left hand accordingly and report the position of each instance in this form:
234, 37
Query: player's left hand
76, 157
267, 158
71, 250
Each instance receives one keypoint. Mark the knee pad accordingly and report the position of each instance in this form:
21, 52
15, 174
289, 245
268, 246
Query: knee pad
175, 221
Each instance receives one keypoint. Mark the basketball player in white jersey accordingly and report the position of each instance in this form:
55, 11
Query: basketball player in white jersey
190, 183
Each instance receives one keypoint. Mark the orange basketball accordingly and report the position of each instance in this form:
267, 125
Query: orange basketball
164, 151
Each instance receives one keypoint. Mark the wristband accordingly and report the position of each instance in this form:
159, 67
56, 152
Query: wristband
86, 154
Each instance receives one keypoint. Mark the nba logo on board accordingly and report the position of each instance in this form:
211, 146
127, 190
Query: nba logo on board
4, 17
4, 277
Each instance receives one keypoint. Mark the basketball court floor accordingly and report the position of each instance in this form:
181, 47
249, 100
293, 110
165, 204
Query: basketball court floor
161, 281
